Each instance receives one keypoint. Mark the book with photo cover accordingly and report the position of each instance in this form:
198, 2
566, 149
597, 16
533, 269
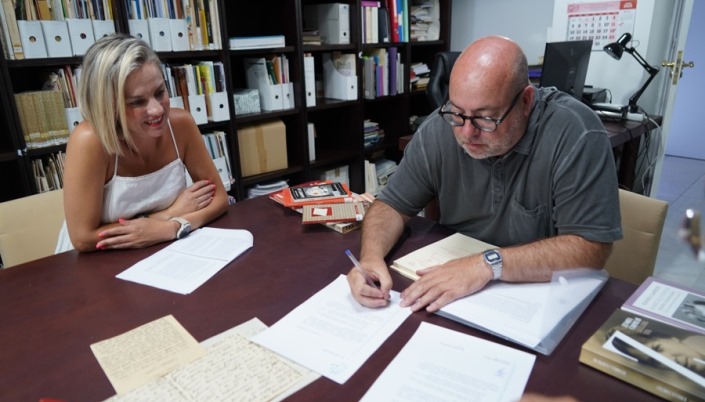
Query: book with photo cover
320, 192
657, 357
669, 302
313, 192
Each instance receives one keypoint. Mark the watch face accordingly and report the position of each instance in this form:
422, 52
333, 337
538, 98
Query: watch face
492, 257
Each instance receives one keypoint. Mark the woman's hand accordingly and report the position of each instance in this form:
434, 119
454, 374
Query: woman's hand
198, 196
136, 233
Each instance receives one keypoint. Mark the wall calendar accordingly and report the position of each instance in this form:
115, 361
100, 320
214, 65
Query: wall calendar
600, 21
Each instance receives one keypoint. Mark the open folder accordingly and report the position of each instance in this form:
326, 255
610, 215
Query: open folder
534, 315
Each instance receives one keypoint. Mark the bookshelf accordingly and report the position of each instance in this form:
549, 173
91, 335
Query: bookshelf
339, 123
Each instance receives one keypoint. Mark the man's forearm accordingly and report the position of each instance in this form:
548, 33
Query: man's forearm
381, 228
538, 260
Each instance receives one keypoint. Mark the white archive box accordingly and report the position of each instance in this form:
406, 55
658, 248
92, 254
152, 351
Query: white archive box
220, 108
139, 29
176, 102
197, 107
56, 38
337, 85
102, 28
73, 117
257, 75
310, 80
32, 39
159, 34
288, 95
179, 35
81, 34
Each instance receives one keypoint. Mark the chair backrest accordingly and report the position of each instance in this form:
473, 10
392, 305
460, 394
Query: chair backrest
634, 257
437, 88
29, 227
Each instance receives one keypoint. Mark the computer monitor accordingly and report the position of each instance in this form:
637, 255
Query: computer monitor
565, 66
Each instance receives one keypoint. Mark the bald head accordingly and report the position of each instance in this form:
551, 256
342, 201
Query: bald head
492, 67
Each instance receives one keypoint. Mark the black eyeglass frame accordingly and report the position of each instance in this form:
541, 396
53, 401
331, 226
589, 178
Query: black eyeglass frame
472, 119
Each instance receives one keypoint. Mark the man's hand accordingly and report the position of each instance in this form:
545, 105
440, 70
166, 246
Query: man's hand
365, 294
441, 284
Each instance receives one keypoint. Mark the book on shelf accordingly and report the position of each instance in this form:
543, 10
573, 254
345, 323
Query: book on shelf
657, 357
670, 303
257, 42
548, 309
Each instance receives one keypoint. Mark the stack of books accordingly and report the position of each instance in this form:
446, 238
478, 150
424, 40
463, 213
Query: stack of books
419, 76
655, 341
311, 37
374, 134
326, 202
424, 22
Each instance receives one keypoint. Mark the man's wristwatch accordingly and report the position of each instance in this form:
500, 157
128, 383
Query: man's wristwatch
494, 259
184, 229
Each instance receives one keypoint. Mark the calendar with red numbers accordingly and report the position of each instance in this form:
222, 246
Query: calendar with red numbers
602, 22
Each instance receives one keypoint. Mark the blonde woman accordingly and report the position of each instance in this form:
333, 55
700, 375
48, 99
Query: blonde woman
124, 176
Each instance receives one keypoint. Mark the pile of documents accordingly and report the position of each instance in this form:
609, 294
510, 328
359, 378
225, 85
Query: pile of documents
330, 335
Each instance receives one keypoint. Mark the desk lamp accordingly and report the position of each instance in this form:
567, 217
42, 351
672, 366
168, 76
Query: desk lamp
615, 50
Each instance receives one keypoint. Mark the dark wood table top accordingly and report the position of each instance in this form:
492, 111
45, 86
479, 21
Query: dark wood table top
53, 309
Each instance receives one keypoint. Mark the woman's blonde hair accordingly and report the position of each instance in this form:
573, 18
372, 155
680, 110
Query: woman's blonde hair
106, 66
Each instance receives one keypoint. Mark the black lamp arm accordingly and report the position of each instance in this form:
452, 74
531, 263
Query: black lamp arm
633, 108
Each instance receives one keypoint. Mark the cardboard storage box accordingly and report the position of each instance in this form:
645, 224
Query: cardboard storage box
262, 147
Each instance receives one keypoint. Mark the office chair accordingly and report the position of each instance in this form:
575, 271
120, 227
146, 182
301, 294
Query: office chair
29, 227
634, 256
437, 89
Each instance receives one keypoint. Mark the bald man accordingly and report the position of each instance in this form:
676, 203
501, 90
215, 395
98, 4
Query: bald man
527, 169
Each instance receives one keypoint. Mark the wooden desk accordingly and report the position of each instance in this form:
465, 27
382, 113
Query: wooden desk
625, 138
52, 309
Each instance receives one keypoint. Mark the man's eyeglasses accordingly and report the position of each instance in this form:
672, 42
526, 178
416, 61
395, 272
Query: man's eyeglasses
483, 123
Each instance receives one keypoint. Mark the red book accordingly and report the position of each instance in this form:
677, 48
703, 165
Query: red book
315, 192
394, 20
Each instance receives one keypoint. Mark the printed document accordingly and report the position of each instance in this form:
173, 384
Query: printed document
331, 333
439, 364
233, 369
188, 263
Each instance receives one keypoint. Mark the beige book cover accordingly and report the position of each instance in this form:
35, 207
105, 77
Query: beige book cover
452, 247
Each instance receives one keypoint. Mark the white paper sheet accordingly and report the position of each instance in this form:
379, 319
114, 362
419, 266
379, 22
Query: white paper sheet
330, 333
188, 263
438, 364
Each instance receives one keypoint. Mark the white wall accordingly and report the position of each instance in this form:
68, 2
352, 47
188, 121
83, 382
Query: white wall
533, 23
624, 77
524, 21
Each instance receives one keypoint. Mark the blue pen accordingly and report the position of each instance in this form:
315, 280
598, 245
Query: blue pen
364, 273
